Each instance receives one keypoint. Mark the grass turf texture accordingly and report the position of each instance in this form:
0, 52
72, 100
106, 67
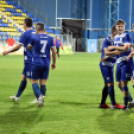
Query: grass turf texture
71, 104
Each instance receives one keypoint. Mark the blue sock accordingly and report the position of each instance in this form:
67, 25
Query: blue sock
21, 88
130, 98
36, 90
111, 94
125, 98
43, 89
133, 86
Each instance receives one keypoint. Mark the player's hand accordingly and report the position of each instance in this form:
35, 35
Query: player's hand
103, 59
5, 53
110, 48
117, 52
53, 66
128, 58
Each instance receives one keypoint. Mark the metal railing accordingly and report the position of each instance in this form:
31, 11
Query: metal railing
4, 36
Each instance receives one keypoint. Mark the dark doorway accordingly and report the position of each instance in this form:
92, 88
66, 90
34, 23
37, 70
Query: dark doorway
77, 27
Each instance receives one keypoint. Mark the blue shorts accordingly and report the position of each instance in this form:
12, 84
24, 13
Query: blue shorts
27, 70
107, 73
124, 72
40, 72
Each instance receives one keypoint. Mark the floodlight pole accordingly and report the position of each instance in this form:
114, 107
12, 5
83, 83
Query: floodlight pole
56, 15
130, 14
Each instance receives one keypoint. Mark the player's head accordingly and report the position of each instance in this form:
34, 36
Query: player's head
28, 22
120, 26
113, 30
133, 27
57, 37
40, 27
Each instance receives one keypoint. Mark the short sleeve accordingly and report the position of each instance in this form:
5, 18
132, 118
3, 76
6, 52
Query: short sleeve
22, 39
105, 44
127, 39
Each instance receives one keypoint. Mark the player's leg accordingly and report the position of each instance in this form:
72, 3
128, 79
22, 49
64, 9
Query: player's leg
105, 75
36, 71
43, 86
133, 77
26, 74
58, 52
22, 86
43, 79
126, 73
130, 98
125, 93
111, 93
104, 97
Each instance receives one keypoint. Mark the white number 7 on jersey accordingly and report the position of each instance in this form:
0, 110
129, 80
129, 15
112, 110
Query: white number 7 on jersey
44, 42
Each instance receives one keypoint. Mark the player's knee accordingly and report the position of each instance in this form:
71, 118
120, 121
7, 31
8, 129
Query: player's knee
23, 78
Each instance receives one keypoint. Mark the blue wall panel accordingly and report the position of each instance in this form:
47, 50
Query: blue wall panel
64, 11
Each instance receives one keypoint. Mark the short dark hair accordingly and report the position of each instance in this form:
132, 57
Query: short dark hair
29, 22
113, 29
120, 21
40, 26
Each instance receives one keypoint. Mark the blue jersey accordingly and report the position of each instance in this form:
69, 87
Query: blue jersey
25, 39
57, 43
42, 44
110, 61
121, 40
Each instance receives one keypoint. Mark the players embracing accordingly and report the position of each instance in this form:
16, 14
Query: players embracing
122, 43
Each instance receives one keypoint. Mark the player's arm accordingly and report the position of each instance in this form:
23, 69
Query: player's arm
130, 55
55, 42
105, 58
111, 53
61, 45
126, 47
15, 48
29, 47
53, 66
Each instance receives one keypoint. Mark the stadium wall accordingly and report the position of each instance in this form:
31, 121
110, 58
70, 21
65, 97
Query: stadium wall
95, 12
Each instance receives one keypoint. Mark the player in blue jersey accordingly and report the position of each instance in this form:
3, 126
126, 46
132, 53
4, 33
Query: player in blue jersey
41, 44
107, 67
130, 55
122, 42
24, 41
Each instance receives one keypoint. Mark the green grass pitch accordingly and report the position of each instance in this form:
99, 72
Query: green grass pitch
71, 103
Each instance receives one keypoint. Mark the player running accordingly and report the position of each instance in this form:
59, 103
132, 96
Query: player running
107, 67
24, 41
41, 44
122, 42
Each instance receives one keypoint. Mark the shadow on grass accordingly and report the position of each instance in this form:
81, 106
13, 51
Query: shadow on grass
20, 120
74, 103
116, 121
